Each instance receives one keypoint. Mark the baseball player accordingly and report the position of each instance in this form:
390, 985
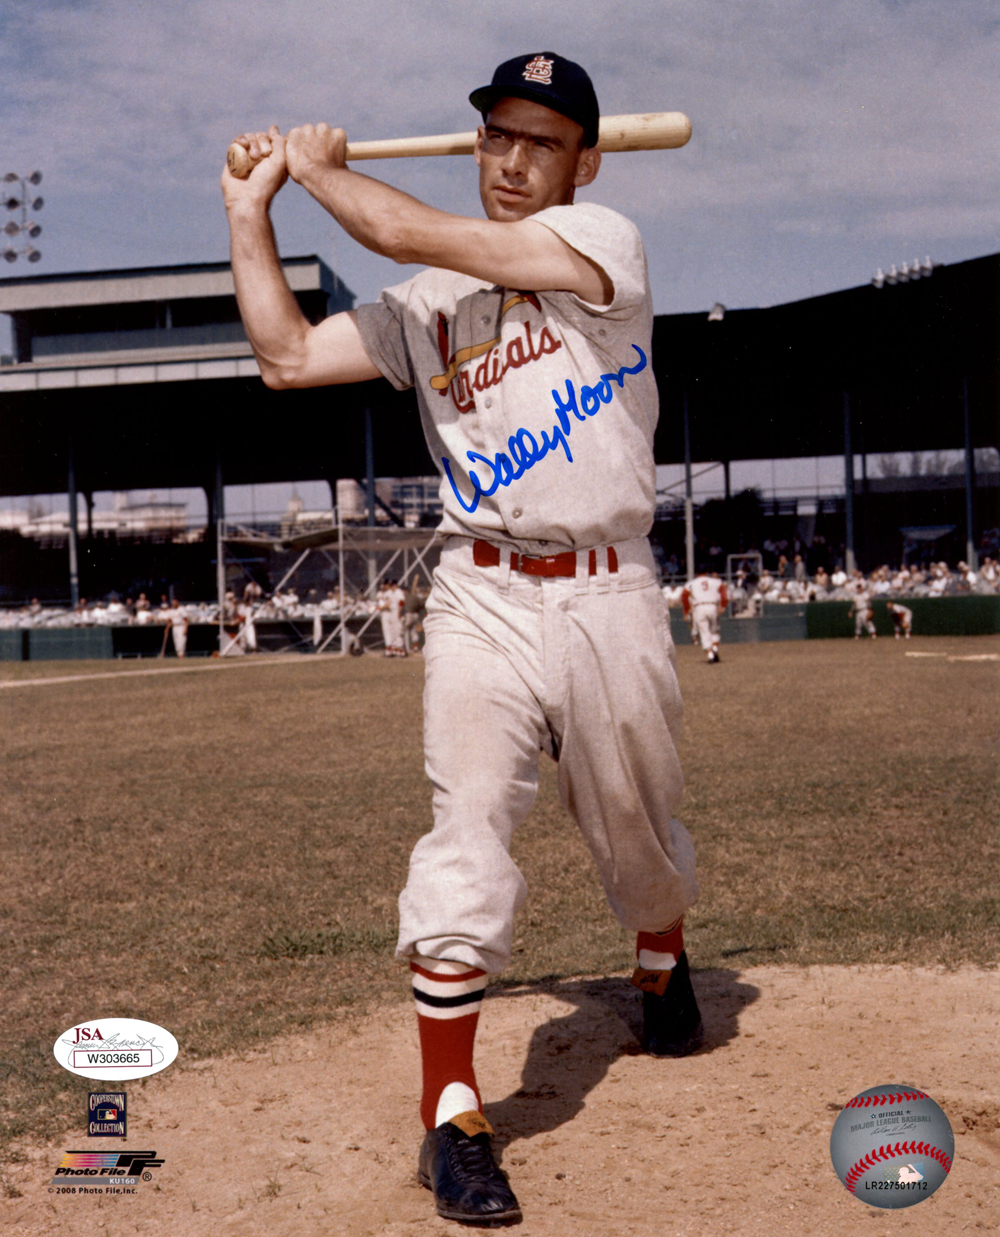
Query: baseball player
177, 624
397, 600
383, 609
528, 342
703, 599
862, 607
413, 609
389, 604
902, 619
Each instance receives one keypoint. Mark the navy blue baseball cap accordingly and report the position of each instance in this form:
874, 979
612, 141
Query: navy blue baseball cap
549, 79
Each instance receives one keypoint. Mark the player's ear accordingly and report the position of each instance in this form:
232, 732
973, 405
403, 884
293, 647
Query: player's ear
588, 164
477, 150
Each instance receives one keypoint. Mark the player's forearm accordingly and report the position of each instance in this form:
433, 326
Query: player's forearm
274, 323
520, 254
383, 219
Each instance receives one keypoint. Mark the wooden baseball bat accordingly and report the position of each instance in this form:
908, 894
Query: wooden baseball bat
639, 131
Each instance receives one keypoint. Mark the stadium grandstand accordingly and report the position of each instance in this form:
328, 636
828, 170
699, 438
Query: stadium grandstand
143, 379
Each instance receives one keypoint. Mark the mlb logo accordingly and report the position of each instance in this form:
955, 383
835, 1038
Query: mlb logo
107, 1114
914, 1171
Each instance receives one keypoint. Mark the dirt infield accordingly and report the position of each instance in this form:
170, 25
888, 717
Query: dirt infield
317, 1136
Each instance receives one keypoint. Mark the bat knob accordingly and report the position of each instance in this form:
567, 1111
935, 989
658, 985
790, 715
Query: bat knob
238, 161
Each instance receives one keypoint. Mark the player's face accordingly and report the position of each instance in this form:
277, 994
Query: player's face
529, 158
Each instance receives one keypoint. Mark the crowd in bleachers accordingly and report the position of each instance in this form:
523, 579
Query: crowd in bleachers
749, 593
115, 611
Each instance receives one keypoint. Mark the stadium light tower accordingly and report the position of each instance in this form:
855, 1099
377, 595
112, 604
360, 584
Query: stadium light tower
20, 199
908, 272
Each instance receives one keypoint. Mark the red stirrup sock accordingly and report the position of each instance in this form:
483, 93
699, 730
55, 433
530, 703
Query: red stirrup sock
448, 997
657, 954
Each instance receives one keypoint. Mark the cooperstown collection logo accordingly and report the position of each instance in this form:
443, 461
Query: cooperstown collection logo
460, 379
106, 1114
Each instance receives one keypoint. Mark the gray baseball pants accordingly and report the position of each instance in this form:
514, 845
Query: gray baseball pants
582, 668
706, 622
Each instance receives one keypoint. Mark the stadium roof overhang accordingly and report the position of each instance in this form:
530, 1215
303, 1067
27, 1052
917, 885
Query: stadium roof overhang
760, 383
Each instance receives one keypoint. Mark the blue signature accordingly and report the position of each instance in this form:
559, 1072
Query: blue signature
525, 451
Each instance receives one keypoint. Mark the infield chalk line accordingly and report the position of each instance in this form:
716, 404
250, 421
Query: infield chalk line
960, 656
298, 660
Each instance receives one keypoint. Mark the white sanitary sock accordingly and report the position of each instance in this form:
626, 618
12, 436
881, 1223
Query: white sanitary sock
455, 1098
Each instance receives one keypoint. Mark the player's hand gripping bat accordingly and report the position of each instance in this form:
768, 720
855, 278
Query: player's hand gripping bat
639, 131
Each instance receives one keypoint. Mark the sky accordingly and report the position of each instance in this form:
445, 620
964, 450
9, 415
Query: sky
829, 138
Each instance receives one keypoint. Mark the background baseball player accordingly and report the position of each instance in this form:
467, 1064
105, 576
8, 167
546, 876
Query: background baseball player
528, 343
703, 599
389, 604
413, 611
177, 624
902, 619
397, 599
861, 605
383, 607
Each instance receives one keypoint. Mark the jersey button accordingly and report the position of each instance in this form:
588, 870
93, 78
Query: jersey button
488, 403
516, 513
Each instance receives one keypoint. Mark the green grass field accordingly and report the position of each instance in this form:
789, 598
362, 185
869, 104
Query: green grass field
219, 850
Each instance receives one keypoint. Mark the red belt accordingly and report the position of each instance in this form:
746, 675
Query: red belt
485, 554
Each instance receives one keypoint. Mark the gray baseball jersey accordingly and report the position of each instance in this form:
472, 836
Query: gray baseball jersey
538, 408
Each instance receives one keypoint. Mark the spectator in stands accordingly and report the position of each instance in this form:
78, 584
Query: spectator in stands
967, 578
782, 569
821, 581
989, 573
880, 582
799, 569
839, 577
940, 579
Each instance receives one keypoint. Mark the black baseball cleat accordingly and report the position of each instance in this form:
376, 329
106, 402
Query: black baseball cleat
458, 1165
671, 1023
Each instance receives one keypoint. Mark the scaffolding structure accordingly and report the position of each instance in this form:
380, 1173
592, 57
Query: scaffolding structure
337, 544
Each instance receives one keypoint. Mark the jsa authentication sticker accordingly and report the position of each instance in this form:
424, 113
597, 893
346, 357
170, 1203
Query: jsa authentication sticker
115, 1049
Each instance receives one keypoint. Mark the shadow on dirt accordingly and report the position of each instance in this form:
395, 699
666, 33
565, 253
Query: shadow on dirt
568, 1056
